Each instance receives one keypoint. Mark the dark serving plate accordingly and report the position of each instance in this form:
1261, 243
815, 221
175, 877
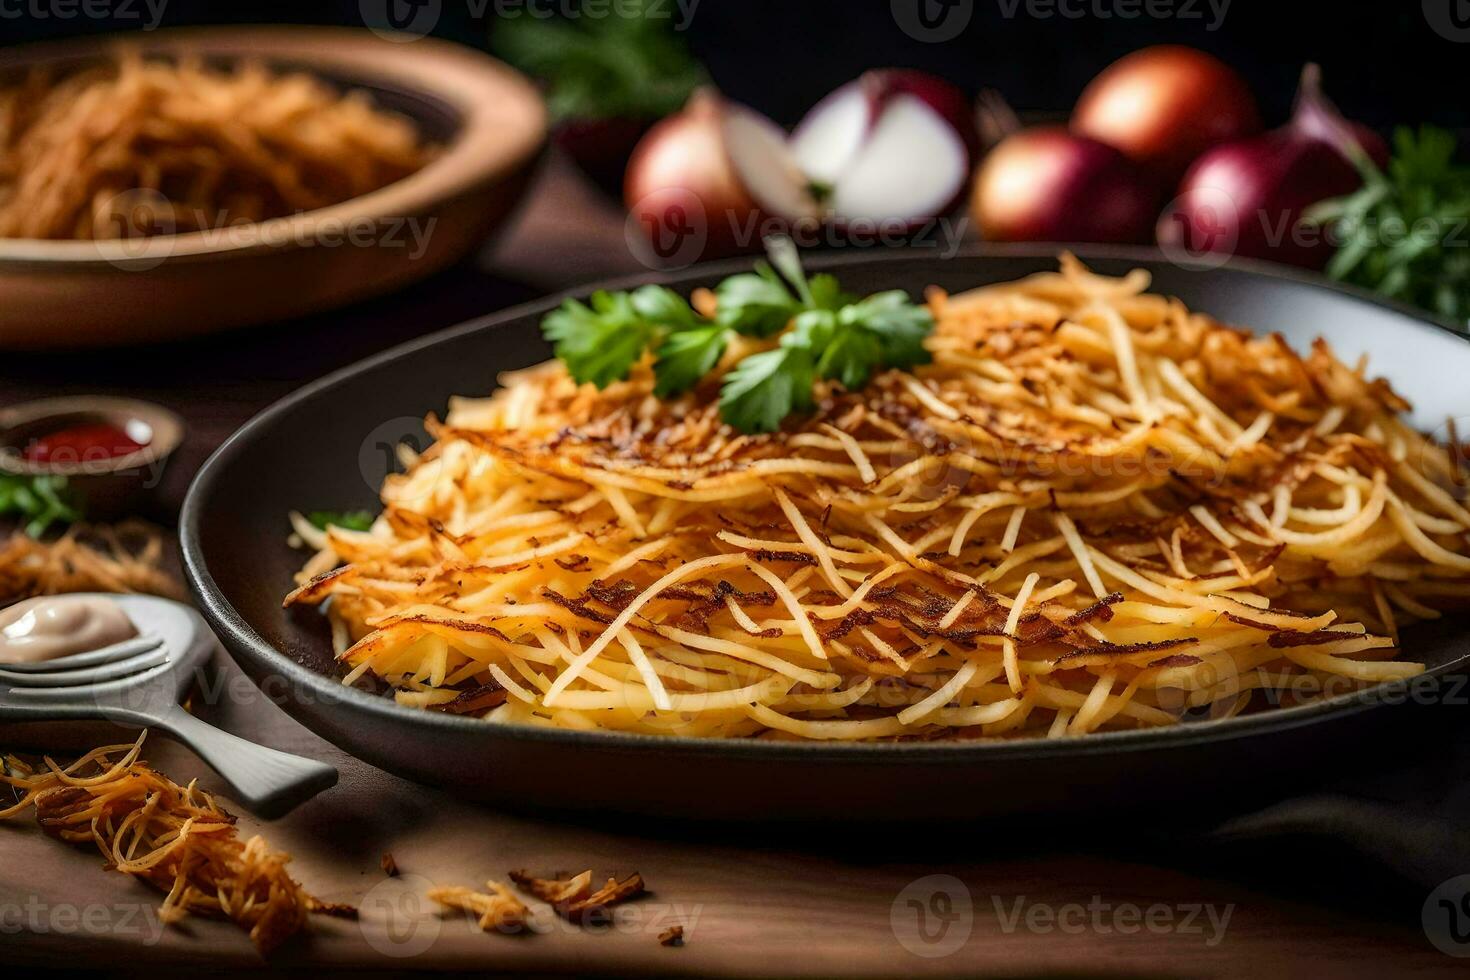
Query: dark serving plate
327, 446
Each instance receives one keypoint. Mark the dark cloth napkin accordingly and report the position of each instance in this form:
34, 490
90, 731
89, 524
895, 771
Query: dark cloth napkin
1389, 825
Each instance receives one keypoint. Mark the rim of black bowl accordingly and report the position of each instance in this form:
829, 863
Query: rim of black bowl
223, 617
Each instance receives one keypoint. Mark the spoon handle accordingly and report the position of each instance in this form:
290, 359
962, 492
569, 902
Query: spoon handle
268, 782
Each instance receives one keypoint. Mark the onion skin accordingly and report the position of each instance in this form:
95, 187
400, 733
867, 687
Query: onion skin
680, 174
1163, 106
1247, 197
1050, 185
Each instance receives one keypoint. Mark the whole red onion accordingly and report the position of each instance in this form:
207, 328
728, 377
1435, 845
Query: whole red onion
1247, 197
1165, 105
1050, 185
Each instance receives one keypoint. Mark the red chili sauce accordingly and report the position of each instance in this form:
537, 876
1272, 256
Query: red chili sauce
91, 442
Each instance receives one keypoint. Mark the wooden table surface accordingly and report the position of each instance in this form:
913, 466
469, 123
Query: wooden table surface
912, 902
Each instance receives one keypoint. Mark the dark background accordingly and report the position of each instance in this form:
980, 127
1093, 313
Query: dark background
1383, 62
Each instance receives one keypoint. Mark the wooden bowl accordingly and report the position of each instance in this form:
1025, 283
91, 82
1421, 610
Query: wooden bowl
487, 118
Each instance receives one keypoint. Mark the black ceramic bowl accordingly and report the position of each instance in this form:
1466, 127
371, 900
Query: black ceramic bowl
328, 446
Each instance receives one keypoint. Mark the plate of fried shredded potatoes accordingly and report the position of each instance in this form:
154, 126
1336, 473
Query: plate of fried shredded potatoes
1091, 517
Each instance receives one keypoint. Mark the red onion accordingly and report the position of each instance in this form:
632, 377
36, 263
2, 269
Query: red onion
682, 191
1247, 197
1165, 105
1050, 185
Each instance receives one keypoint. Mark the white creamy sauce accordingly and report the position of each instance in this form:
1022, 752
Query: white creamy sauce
49, 627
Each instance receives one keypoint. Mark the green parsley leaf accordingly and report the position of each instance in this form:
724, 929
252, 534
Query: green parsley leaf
601, 343
663, 307
850, 356
685, 356
827, 294
764, 388
349, 520
884, 330
41, 500
899, 324
757, 304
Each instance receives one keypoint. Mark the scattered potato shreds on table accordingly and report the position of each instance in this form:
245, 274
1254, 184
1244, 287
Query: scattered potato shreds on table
573, 898
498, 908
176, 838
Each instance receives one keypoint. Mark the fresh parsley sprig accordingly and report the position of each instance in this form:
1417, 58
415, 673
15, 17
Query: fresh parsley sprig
635, 64
1406, 232
827, 334
40, 500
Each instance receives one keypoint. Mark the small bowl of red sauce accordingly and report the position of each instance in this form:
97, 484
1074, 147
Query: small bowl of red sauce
111, 451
